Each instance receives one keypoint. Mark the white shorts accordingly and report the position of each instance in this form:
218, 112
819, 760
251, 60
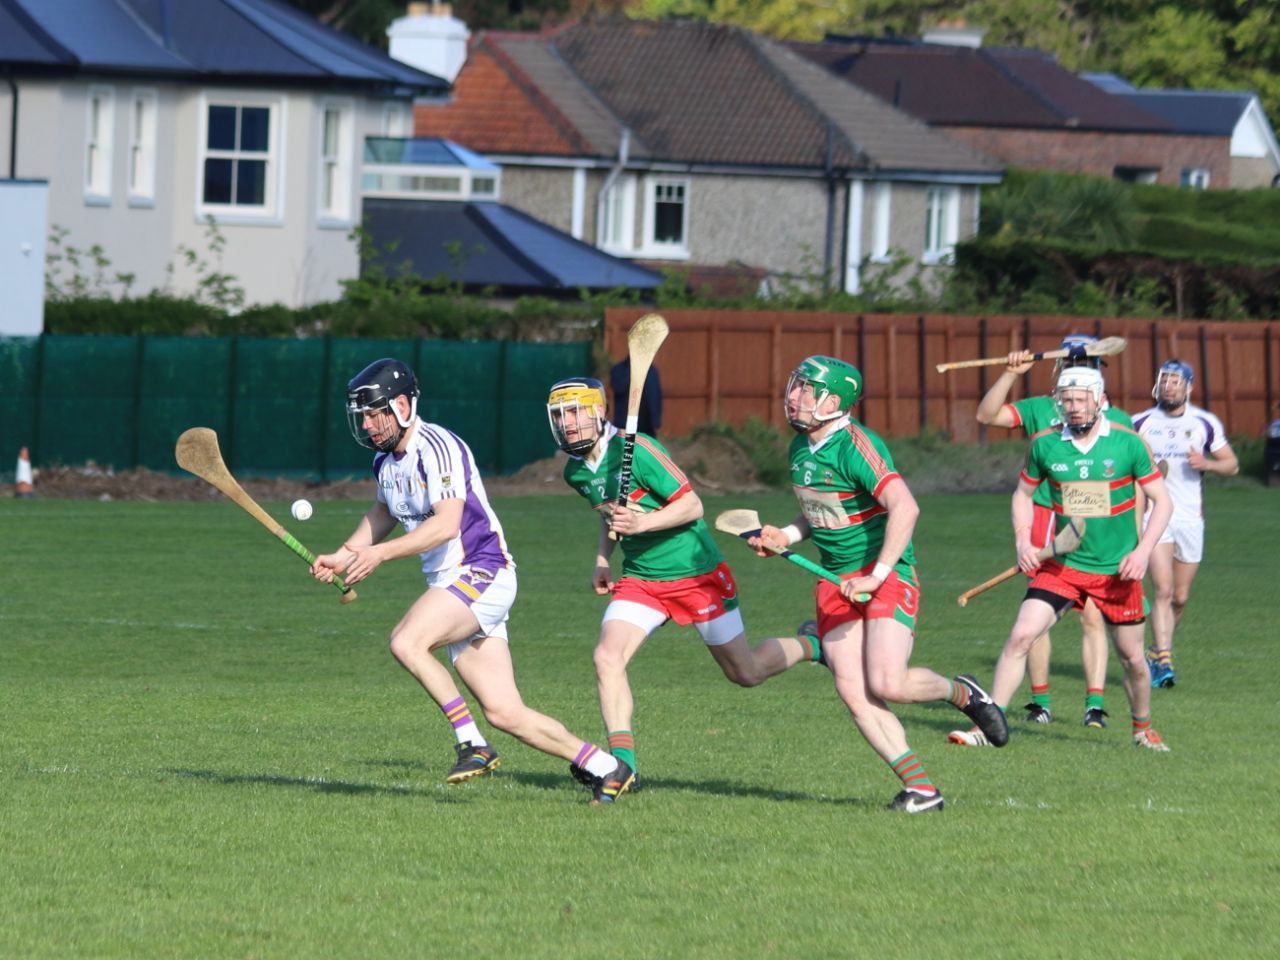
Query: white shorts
489, 598
714, 633
1187, 537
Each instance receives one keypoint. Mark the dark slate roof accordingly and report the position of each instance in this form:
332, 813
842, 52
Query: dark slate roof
708, 94
988, 87
497, 245
235, 40
1197, 112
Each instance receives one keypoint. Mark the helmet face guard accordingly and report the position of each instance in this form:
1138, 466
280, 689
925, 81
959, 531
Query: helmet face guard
1079, 378
825, 376
372, 393
1173, 373
580, 399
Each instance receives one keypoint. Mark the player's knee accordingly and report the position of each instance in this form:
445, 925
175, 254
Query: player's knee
886, 686
509, 718
1179, 600
743, 676
403, 646
1021, 640
608, 660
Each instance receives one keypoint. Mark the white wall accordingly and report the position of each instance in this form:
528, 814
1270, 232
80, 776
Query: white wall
23, 224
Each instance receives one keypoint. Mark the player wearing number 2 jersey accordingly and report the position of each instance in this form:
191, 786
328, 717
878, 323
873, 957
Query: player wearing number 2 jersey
671, 567
1093, 468
860, 514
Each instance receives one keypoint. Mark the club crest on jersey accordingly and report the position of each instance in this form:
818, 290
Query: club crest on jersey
446, 481
1110, 466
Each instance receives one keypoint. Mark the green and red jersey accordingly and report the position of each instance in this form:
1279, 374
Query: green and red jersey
672, 554
1034, 414
1098, 484
838, 483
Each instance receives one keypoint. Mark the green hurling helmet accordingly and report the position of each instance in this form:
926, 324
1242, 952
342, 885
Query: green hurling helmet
828, 376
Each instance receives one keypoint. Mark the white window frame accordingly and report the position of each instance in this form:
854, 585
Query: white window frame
652, 247
141, 175
335, 163
881, 222
397, 120
99, 127
616, 229
1195, 178
941, 223
271, 211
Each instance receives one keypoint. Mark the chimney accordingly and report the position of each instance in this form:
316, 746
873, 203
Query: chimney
954, 33
430, 38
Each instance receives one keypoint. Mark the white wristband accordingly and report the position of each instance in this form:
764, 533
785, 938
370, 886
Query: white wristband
792, 533
881, 571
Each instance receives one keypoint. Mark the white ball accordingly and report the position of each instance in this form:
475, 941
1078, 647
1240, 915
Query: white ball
301, 509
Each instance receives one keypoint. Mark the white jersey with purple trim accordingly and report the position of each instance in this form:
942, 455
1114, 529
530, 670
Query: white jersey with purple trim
1171, 439
437, 465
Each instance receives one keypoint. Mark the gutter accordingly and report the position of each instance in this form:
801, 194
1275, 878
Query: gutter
624, 151
13, 126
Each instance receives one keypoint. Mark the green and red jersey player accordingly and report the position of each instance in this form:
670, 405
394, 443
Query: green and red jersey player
671, 566
861, 515
1093, 468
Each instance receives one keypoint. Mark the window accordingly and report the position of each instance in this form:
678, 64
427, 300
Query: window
1136, 174
142, 146
616, 229
397, 120
666, 213
241, 159
880, 214
1196, 178
97, 165
335, 161
941, 222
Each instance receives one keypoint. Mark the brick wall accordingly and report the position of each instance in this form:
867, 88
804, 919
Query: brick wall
1084, 151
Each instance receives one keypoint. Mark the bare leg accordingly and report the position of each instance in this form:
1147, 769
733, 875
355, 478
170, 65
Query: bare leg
437, 618
619, 642
750, 666
1137, 677
1038, 660
1183, 575
845, 655
1093, 647
888, 651
485, 666
1035, 617
1162, 616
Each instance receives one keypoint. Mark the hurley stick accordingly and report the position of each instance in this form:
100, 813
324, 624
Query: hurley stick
1107, 347
746, 524
643, 341
197, 452
1068, 539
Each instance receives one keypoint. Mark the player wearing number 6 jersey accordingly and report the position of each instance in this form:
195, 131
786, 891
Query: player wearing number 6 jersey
428, 483
1092, 467
860, 514
671, 567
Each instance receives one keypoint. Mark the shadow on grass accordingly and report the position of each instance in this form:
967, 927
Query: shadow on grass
319, 784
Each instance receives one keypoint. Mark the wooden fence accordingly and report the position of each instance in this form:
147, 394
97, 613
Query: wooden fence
729, 366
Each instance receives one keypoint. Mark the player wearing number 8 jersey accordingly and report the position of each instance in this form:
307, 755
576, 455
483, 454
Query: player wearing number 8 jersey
861, 515
671, 567
1092, 467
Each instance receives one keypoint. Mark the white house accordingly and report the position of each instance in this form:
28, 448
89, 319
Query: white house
149, 118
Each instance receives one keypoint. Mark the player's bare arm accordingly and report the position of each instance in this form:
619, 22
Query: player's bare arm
792, 534
1023, 510
676, 513
992, 411
373, 527
903, 511
602, 576
1134, 564
441, 527
1222, 461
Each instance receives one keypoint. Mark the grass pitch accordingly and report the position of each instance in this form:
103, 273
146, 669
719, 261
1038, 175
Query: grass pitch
205, 755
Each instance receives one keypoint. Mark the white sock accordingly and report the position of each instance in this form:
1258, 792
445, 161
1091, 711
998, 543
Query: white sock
601, 764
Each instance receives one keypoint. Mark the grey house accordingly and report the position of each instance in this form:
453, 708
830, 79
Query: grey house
704, 147
147, 118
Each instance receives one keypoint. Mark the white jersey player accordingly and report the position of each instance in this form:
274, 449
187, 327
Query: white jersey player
429, 484
1186, 442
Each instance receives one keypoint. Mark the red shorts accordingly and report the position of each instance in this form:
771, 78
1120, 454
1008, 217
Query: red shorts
1042, 527
896, 599
690, 600
1119, 601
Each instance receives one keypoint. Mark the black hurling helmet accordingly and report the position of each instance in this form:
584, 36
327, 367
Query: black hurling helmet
372, 390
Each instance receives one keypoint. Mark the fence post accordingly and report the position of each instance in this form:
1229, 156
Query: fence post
229, 450
322, 421
922, 369
36, 406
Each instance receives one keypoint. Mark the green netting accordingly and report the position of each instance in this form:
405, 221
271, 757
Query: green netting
277, 405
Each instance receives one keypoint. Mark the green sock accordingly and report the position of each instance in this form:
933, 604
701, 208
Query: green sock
1040, 695
622, 744
1093, 698
813, 646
